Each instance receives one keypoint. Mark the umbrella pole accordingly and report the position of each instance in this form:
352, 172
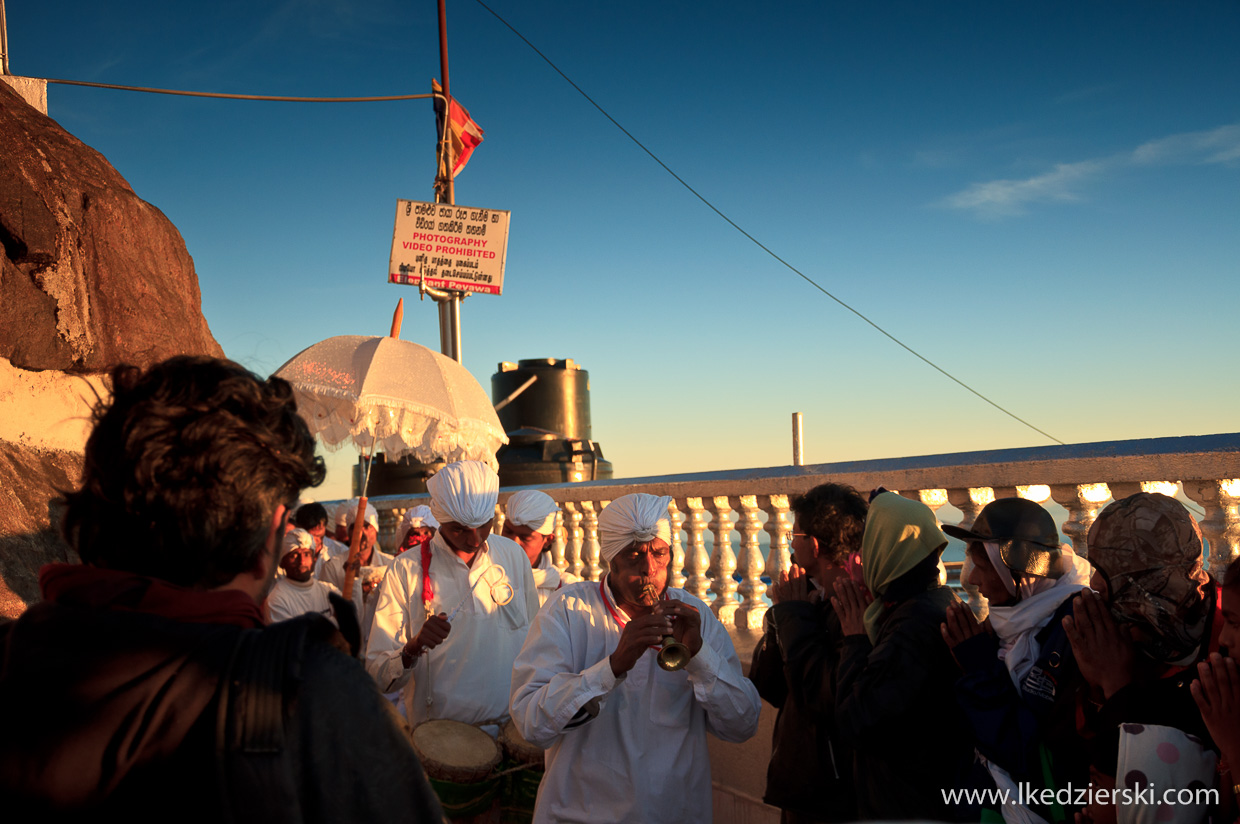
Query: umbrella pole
355, 548
355, 540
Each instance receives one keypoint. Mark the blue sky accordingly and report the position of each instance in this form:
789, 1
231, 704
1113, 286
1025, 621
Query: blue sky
1042, 198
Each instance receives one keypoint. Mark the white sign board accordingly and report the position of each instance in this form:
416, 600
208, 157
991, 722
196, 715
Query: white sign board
449, 247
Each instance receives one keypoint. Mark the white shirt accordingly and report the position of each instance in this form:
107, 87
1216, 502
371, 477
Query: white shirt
289, 599
331, 547
466, 678
644, 757
548, 579
332, 571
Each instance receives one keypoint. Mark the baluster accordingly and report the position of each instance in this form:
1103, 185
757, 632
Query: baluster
1221, 524
1038, 493
1082, 502
590, 548
576, 536
722, 560
779, 527
752, 608
697, 562
559, 545
675, 570
971, 501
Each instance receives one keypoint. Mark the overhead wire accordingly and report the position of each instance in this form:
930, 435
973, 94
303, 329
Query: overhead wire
759, 243
277, 98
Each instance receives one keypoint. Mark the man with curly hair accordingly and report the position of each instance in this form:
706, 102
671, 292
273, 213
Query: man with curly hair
145, 685
810, 776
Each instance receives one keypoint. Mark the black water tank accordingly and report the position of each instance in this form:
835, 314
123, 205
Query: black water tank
557, 401
547, 422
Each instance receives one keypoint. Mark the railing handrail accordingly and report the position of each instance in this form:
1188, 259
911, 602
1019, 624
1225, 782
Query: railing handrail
1190, 457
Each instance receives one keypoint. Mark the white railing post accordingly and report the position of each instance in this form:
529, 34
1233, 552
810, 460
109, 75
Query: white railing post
1221, 524
697, 562
559, 545
590, 548
722, 560
752, 608
573, 517
675, 570
1082, 502
779, 527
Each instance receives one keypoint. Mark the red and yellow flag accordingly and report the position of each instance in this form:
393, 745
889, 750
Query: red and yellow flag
463, 135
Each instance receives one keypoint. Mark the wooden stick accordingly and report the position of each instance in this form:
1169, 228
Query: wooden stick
355, 548
397, 317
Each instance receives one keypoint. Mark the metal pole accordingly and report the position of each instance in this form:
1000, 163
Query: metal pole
450, 307
4, 41
798, 445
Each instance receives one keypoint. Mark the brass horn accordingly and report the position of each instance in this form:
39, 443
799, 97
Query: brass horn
673, 655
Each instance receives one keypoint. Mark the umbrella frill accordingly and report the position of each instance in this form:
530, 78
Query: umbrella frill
394, 396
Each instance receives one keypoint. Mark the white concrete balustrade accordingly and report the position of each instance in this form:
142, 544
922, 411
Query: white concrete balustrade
736, 507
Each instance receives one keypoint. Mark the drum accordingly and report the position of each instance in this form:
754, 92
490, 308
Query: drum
459, 760
524, 764
517, 748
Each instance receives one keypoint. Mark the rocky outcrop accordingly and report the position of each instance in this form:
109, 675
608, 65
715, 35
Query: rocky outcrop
28, 538
91, 275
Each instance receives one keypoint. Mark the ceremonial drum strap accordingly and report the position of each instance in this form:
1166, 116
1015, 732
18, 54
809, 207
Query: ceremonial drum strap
428, 592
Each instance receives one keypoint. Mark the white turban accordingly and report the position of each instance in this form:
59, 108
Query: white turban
464, 492
533, 509
295, 538
416, 516
634, 518
350, 514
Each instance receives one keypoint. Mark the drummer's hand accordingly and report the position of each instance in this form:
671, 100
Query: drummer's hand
686, 623
639, 635
432, 633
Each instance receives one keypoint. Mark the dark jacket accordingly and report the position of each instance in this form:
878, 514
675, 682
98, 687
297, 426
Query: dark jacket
113, 716
895, 704
1019, 730
794, 670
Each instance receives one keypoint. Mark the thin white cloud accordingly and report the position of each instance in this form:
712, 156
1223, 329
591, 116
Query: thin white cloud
1066, 181
1221, 145
999, 198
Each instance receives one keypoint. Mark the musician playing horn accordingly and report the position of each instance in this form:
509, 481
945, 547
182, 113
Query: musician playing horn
625, 738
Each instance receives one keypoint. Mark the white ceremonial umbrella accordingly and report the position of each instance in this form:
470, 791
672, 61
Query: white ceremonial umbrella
383, 393
394, 395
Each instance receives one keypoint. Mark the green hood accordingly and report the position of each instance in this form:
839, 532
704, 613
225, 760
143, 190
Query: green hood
899, 534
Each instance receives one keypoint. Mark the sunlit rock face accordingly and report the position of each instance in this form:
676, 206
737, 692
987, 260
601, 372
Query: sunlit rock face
90, 276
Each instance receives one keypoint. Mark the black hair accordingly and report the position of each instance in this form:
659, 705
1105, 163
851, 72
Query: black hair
185, 468
834, 514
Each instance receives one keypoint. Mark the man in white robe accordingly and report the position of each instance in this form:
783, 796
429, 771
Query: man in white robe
297, 592
530, 521
417, 527
626, 740
451, 617
332, 568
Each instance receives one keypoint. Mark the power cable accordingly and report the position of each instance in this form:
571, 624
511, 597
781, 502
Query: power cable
240, 96
758, 243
